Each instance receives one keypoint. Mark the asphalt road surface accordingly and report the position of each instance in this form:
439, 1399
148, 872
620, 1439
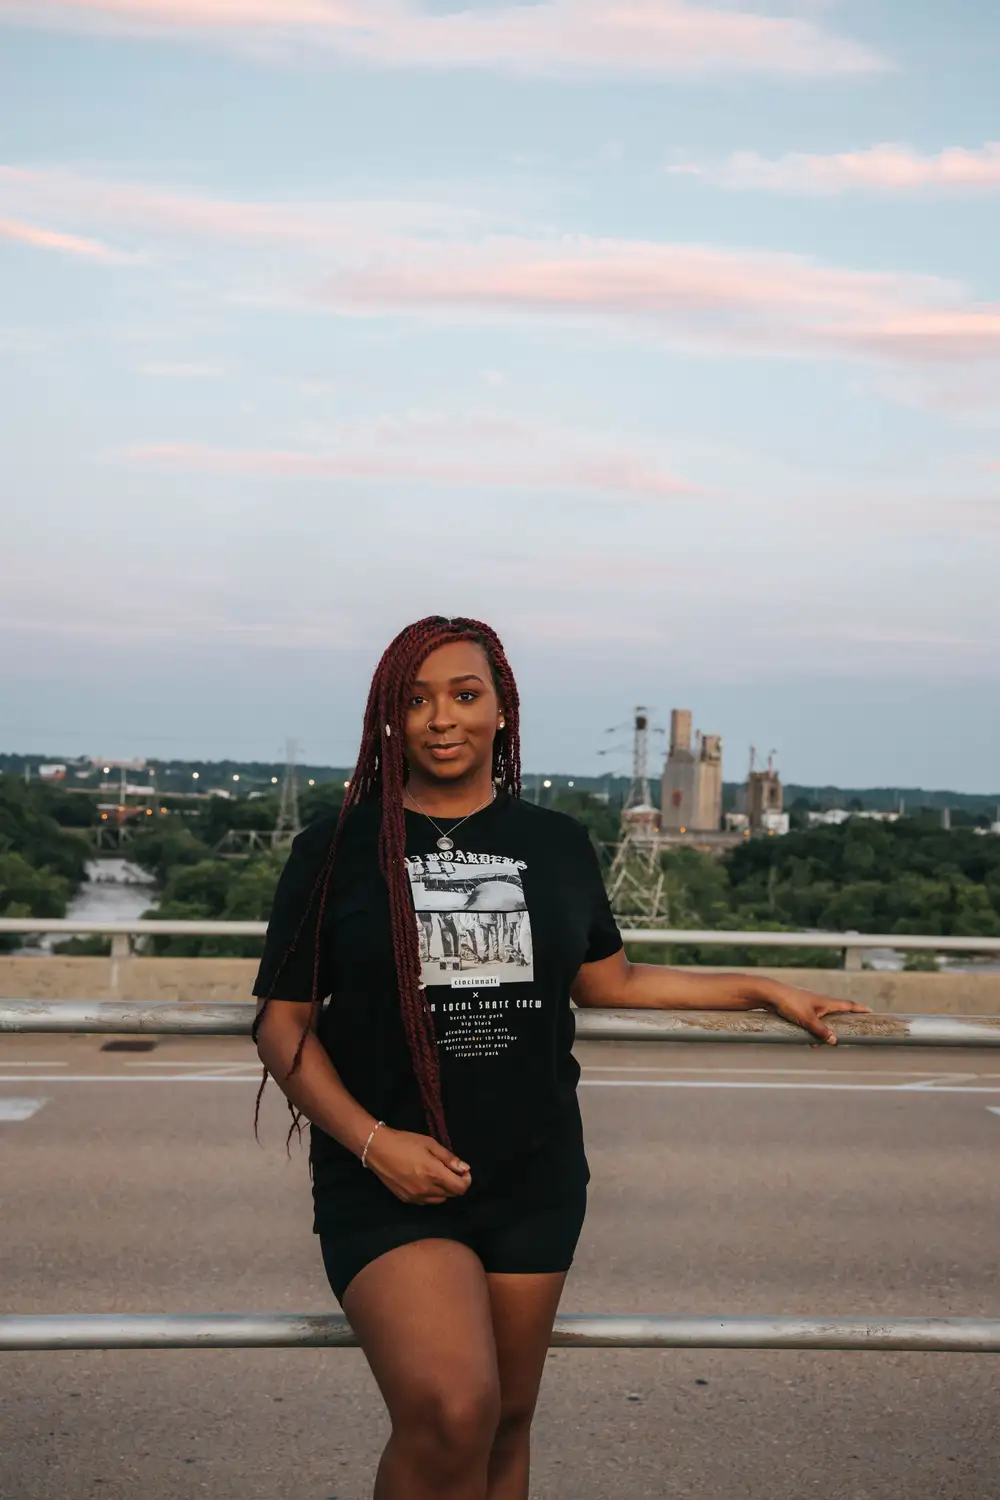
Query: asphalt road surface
726, 1180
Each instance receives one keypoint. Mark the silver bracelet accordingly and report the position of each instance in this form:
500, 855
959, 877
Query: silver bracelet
368, 1143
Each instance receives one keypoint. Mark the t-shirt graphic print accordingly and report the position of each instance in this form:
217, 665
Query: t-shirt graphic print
472, 920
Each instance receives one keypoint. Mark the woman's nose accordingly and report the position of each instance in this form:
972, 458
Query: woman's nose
440, 717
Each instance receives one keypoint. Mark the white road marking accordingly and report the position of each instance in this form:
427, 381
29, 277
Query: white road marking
227, 1066
608, 1083
141, 1078
733, 1083
993, 1109
791, 1072
19, 1108
941, 1078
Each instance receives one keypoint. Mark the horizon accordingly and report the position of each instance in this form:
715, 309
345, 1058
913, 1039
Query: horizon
333, 772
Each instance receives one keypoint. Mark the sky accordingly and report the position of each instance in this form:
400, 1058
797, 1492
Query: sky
662, 335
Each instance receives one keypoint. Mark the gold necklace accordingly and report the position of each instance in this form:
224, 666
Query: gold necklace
444, 842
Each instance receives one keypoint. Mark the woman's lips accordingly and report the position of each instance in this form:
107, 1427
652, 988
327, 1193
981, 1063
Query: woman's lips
444, 752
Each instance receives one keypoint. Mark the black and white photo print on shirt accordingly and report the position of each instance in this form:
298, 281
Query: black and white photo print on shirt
472, 919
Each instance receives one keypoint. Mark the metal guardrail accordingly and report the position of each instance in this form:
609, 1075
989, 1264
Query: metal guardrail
852, 945
137, 927
234, 1017
581, 1331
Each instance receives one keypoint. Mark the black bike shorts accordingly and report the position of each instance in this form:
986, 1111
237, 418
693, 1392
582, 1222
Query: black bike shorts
528, 1222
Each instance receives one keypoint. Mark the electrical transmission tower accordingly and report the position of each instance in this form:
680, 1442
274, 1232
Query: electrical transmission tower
635, 880
638, 794
289, 822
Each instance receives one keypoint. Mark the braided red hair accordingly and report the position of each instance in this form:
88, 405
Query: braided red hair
380, 773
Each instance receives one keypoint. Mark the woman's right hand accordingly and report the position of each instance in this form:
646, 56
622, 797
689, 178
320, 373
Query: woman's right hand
417, 1168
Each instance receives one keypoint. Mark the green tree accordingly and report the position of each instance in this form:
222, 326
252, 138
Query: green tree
41, 864
165, 848
217, 890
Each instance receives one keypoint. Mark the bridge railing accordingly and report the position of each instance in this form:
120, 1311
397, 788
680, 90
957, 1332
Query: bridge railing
852, 945
580, 1331
234, 1018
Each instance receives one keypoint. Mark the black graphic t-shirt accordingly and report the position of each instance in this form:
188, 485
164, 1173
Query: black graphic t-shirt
504, 921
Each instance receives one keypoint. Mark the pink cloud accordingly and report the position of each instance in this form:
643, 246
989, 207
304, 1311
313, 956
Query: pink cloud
555, 36
929, 334
419, 258
602, 472
757, 302
51, 239
889, 169
185, 215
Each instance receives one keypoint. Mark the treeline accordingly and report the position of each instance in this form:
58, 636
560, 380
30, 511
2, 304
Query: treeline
899, 878
197, 883
42, 861
902, 878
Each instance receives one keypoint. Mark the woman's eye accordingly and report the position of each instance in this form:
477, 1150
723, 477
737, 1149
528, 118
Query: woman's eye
468, 694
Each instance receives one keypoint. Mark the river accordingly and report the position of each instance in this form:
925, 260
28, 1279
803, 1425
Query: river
114, 891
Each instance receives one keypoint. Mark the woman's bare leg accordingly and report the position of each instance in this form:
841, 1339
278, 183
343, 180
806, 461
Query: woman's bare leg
523, 1311
423, 1318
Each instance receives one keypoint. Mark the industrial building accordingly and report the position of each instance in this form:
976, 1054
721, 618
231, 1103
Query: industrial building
759, 804
691, 787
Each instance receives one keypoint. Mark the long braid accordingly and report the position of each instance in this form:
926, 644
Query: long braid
381, 773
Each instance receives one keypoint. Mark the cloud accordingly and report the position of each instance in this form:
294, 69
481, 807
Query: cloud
180, 216
734, 300
886, 169
554, 37
419, 259
477, 454
51, 239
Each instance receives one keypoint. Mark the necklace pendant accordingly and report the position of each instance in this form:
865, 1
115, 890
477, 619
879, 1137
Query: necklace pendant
445, 843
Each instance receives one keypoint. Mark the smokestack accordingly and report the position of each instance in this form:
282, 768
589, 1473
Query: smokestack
680, 729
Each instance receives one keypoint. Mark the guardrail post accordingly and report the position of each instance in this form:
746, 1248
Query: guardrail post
853, 957
121, 945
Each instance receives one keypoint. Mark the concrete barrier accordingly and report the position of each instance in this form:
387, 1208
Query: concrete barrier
215, 980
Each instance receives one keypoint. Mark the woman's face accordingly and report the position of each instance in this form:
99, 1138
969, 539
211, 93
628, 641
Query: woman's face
452, 714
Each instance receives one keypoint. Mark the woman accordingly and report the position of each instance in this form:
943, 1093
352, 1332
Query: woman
448, 1166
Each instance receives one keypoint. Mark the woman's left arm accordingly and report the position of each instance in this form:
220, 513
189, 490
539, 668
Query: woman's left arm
616, 984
